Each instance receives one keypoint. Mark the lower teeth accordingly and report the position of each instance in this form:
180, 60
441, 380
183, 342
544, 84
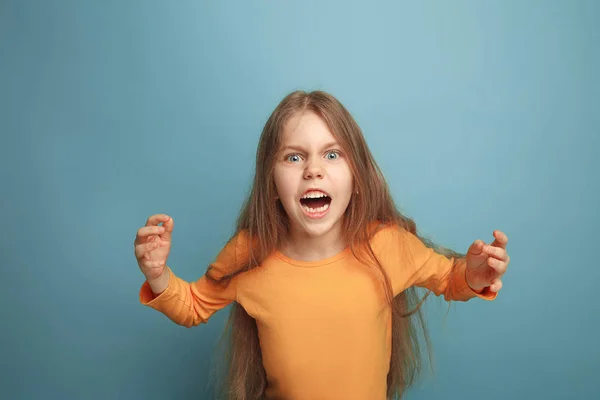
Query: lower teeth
315, 210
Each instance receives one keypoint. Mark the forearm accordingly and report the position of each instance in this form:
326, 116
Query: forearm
187, 304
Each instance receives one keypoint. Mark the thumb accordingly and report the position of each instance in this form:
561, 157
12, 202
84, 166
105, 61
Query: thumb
476, 247
168, 225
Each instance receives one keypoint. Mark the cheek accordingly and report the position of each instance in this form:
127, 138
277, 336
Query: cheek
285, 188
283, 181
343, 178
278, 184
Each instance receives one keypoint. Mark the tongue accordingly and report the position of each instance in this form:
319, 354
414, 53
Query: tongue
316, 203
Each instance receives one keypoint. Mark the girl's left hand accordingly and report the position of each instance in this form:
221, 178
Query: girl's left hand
487, 263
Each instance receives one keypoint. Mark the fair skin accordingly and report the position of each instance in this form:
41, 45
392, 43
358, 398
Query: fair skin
311, 158
487, 263
152, 245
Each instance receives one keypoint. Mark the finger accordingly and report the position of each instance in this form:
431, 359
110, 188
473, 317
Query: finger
153, 264
496, 252
500, 239
496, 285
142, 249
146, 231
156, 219
168, 225
497, 265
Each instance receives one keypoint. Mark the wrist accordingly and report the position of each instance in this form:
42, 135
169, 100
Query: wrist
476, 288
160, 283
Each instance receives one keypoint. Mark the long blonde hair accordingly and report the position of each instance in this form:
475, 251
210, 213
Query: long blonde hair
264, 218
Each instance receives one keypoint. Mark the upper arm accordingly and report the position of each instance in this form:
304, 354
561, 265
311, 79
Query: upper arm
409, 262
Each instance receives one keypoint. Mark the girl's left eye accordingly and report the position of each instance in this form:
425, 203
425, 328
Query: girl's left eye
332, 155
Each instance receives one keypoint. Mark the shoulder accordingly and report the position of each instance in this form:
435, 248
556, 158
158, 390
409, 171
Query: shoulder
233, 257
383, 233
394, 239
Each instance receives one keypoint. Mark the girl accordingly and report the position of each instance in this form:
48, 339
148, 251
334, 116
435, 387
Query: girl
321, 270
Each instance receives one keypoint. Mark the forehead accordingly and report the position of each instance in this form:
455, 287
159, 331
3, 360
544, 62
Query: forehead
307, 129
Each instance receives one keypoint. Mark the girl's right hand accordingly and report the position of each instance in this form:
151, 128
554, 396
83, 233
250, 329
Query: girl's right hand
152, 246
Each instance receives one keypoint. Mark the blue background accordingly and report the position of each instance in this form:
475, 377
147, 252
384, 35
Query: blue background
483, 115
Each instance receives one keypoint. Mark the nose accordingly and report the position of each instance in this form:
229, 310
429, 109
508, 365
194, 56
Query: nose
313, 171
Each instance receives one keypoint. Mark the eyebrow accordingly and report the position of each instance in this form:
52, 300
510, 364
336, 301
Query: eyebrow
302, 149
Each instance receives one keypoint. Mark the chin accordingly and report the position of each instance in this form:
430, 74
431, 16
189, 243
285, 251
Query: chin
316, 229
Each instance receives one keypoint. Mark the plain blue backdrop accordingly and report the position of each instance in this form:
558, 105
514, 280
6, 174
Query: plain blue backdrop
483, 115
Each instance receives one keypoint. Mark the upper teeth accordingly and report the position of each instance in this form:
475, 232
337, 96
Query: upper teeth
314, 195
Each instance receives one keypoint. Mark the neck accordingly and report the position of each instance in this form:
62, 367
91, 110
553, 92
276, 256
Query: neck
304, 247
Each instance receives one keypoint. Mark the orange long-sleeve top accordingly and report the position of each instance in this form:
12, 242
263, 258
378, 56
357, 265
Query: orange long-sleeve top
324, 326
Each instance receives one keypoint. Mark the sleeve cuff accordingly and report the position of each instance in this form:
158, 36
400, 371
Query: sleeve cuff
148, 298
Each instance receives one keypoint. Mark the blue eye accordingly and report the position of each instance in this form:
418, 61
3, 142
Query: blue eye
332, 155
293, 158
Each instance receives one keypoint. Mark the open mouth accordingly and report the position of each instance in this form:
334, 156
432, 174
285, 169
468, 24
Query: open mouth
315, 202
